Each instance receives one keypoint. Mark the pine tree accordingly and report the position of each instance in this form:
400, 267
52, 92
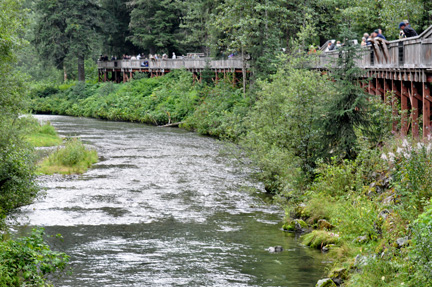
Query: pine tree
348, 109
67, 28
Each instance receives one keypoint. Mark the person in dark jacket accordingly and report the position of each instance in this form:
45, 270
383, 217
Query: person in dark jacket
379, 34
408, 31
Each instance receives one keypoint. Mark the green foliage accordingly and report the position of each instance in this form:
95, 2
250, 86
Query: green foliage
347, 109
74, 157
29, 260
154, 25
220, 113
66, 28
42, 135
421, 259
284, 125
412, 177
16, 157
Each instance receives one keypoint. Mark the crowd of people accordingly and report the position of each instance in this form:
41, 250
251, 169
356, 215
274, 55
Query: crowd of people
406, 31
151, 57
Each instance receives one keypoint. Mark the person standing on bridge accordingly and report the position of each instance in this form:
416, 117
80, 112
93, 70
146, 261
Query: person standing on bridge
174, 56
378, 34
408, 31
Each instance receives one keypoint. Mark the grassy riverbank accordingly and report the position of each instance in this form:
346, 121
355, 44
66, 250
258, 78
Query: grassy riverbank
364, 194
41, 135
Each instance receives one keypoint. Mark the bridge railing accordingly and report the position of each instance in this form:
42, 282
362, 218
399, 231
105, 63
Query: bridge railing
172, 64
409, 53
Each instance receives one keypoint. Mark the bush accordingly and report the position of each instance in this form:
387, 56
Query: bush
421, 259
27, 261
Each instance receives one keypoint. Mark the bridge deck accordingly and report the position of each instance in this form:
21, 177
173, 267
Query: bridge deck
405, 55
171, 64
400, 72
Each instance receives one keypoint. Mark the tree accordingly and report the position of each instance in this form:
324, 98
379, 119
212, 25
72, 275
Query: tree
67, 28
155, 25
195, 24
116, 33
348, 108
284, 130
16, 166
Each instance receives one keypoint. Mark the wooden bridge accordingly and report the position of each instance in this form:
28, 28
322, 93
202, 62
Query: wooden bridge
402, 68
123, 70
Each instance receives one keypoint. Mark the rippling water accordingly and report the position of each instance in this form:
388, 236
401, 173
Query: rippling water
164, 208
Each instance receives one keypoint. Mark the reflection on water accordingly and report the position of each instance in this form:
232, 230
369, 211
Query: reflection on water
163, 208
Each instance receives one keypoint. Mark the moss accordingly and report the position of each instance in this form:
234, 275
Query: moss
301, 223
320, 238
341, 273
288, 227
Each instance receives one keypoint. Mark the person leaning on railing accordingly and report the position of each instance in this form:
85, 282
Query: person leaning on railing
406, 30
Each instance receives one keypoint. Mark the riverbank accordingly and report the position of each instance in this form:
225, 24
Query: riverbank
370, 213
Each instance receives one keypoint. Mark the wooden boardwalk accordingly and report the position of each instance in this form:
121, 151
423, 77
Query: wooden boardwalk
123, 70
402, 68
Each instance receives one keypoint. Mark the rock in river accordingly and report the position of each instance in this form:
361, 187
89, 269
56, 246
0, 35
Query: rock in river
275, 249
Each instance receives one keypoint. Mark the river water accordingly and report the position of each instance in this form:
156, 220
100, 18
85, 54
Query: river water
163, 207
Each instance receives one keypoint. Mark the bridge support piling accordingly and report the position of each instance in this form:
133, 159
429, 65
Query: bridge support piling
394, 102
426, 111
415, 103
404, 109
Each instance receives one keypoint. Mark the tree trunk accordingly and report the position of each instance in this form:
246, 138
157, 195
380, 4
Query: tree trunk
81, 70
64, 73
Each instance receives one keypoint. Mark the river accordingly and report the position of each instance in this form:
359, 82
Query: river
163, 207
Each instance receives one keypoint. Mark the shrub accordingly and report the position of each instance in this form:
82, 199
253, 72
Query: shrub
421, 259
27, 261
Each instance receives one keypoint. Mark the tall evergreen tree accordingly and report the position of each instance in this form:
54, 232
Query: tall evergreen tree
116, 33
348, 109
155, 25
67, 28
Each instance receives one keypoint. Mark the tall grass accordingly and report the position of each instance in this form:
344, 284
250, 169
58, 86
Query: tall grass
74, 157
43, 135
